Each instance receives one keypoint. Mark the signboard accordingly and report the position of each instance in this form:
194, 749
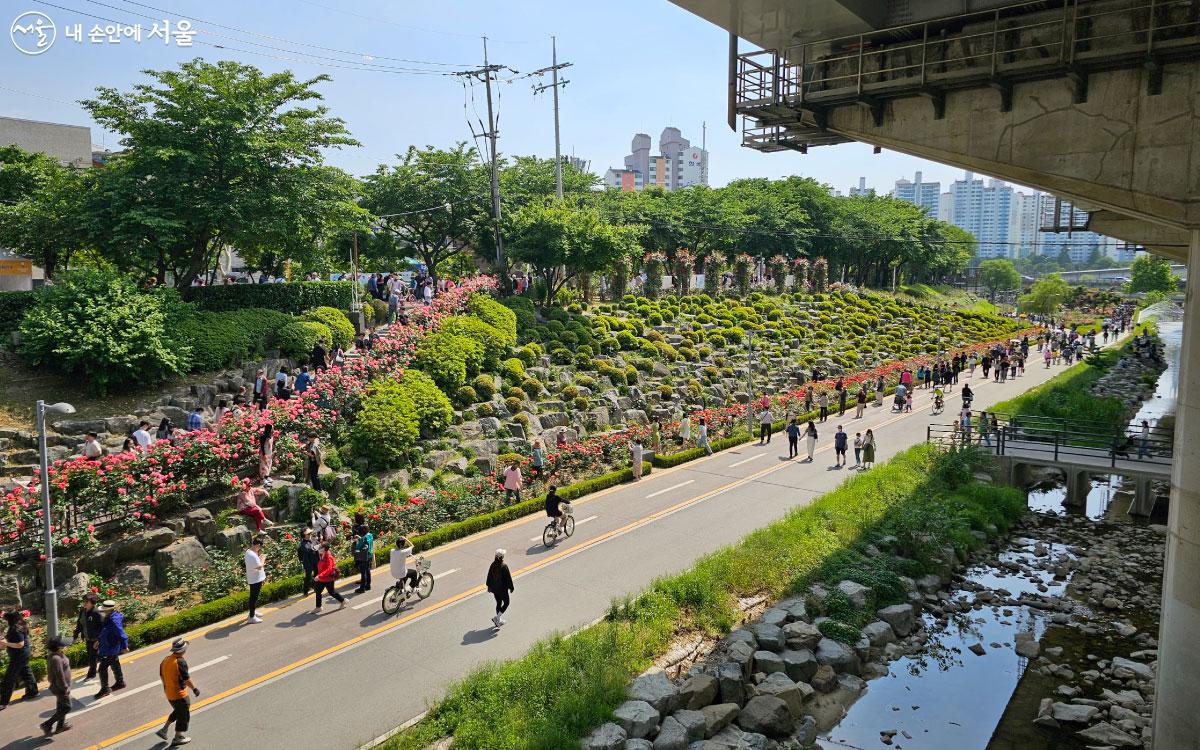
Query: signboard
16, 267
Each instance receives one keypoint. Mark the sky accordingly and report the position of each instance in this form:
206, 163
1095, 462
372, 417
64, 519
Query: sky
636, 66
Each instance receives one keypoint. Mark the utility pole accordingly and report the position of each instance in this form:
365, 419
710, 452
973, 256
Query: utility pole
486, 73
750, 381
554, 84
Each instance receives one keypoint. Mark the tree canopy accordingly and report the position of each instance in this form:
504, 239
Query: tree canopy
998, 275
40, 202
1150, 273
1045, 296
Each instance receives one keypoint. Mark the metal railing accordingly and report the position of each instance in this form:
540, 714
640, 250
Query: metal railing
1022, 41
1059, 440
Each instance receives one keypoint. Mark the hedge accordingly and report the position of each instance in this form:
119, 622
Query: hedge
691, 454
12, 309
221, 339
291, 298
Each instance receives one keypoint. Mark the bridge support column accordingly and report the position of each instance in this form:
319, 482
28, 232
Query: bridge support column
1143, 498
1079, 484
1177, 691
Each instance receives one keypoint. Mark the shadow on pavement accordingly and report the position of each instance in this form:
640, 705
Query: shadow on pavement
471, 637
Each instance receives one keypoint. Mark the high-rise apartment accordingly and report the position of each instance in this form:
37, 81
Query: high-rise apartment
984, 211
925, 194
678, 164
862, 188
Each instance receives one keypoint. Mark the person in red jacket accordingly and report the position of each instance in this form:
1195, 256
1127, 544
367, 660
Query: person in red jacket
327, 574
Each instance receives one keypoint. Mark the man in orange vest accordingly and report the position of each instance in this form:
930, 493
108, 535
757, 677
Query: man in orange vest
173, 671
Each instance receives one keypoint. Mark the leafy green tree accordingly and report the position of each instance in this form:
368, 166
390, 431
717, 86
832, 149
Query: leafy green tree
217, 154
529, 178
98, 326
1045, 296
1150, 273
431, 204
559, 242
998, 275
40, 208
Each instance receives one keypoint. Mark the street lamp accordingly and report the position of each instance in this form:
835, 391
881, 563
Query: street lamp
41, 408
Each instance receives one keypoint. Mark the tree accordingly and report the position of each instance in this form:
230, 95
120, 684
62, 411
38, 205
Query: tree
432, 203
1149, 273
40, 208
1045, 296
559, 242
217, 155
998, 275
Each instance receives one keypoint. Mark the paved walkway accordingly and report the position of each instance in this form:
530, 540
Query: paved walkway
344, 678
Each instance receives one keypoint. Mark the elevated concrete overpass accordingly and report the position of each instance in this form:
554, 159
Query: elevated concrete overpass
1113, 275
1096, 101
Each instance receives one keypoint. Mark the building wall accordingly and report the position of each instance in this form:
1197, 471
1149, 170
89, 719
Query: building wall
678, 163
70, 144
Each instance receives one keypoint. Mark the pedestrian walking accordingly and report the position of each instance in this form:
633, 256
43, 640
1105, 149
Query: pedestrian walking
176, 682
113, 643
868, 450
635, 457
858, 449
87, 629
513, 483
765, 418
808, 400
266, 453
861, 403
1144, 440
840, 443
823, 403
793, 435
309, 554
322, 525
327, 573
364, 552
810, 436
500, 584
58, 673
702, 439
842, 402
19, 651
537, 460
256, 574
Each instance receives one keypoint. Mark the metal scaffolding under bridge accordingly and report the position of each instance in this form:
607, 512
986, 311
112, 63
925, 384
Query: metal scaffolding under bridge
784, 95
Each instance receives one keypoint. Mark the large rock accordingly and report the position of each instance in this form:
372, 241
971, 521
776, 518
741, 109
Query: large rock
185, 554
693, 723
767, 662
718, 716
837, 655
337, 485
233, 540
732, 738
879, 633
137, 575
638, 744
1073, 712
1142, 671
607, 736
730, 680
698, 691
1107, 734
554, 419
143, 543
80, 426
769, 637
857, 593
801, 635
200, 523
800, 665
766, 714
789, 692
900, 617
655, 688
637, 718
671, 735
72, 591
824, 679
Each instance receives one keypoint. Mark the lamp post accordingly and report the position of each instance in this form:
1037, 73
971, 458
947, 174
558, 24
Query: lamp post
750, 381
47, 538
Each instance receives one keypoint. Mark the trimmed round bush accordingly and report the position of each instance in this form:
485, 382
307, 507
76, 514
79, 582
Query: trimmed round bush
339, 325
492, 340
517, 393
221, 339
381, 311
497, 316
449, 359
485, 387
387, 428
466, 395
296, 339
530, 354
513, 369
433, 409
532, 386
513, 405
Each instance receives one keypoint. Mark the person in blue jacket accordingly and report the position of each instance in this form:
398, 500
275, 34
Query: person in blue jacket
113, 643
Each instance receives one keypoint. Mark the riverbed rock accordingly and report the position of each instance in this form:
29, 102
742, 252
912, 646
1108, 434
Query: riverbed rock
879, 633
671, 735
698, 691
655, 688
800, 664
769, 637
1107, 734
837, 655
766, 714
1073, 712
718, 716
857, 593
768, 662
900, 617
638, 744
692, 721
637, 718
1141, 671
780, 686
731, 684
608, 736
824, 680
802, 635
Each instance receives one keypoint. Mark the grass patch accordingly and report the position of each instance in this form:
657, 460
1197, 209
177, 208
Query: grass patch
1068, 396
563, 688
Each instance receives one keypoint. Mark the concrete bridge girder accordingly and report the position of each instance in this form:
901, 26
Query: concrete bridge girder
1122, 149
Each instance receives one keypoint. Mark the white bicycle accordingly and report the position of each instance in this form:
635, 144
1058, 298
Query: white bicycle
399, 592
554, 531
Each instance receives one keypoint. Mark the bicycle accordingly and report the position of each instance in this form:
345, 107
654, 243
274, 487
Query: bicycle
554, 531
399, 592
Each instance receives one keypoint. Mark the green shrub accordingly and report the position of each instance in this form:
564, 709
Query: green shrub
498, 316
840, 631
433, 409
12, 309
339, 325
491, 339
517, 393
100, 328
222, 339
485, 387
387, 426
296, 339
465, 396
530, 354
532, 386
449, 359
513, 369
290, 298
513, 404
381, 311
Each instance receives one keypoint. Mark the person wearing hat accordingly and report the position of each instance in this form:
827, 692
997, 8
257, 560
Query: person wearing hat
113, 643
87, 627
58, 671
500, 583
173, 671
16, 642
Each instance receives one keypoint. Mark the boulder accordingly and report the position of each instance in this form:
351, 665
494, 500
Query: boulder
879, 633
774, 616
857, 593
72, 591
718, 716
184, 554
79, 426
800, 665
837, 655
767, 662
1142, 671
137, 575
1073, 712
638, 744
200, 523
824, 679
730, 681
554, 419
637, 718
769, 637
608, 736
789, 692
732, 738
398, 477
900, 617
143, 543
337, 485
671, 735
698, 691
655, 688
233, 540
801, 635
742, 654
766, 714
692, 721
1109, 735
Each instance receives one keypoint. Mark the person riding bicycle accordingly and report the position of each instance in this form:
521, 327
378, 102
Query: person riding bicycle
967, 395
553, 506
939, 399
399, 562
